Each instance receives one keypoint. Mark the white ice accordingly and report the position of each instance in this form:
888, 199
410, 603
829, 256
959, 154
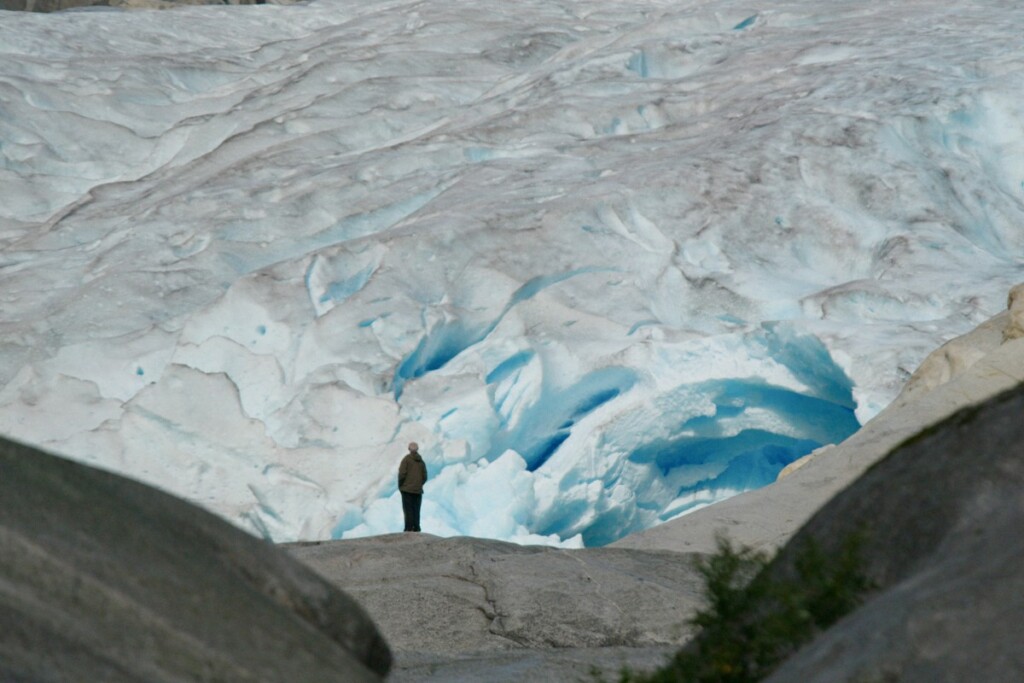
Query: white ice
606, 261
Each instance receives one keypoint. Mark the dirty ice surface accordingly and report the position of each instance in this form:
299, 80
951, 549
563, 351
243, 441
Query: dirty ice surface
605, 261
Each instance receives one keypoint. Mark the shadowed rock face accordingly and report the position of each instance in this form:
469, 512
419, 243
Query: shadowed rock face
944, 516
103, 578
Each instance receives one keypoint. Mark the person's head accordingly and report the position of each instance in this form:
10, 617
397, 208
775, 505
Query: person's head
414, 447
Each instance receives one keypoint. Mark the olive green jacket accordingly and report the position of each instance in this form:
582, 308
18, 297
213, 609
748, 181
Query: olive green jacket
412, 474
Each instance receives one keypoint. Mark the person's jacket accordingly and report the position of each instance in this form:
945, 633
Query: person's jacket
412, 474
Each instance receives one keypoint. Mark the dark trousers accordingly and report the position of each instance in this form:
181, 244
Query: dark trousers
411, 509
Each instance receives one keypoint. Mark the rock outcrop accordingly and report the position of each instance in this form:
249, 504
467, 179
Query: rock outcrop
105, 579
465, 605
1015, 304
942, 517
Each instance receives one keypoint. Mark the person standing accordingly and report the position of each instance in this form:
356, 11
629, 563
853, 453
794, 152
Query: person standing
412, 475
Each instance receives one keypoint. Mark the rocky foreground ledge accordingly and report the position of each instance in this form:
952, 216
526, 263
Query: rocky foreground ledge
469, 609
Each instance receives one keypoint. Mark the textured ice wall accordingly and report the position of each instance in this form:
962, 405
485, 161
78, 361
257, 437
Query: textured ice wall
605, 261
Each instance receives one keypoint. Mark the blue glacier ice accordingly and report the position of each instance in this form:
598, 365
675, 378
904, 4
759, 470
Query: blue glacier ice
607, 262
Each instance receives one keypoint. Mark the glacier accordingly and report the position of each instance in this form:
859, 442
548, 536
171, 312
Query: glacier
607, 262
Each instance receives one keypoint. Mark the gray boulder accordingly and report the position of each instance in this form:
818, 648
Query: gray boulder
471, 609
944, 516
105, 579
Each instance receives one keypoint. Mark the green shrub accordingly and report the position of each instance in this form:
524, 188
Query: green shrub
753, 620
